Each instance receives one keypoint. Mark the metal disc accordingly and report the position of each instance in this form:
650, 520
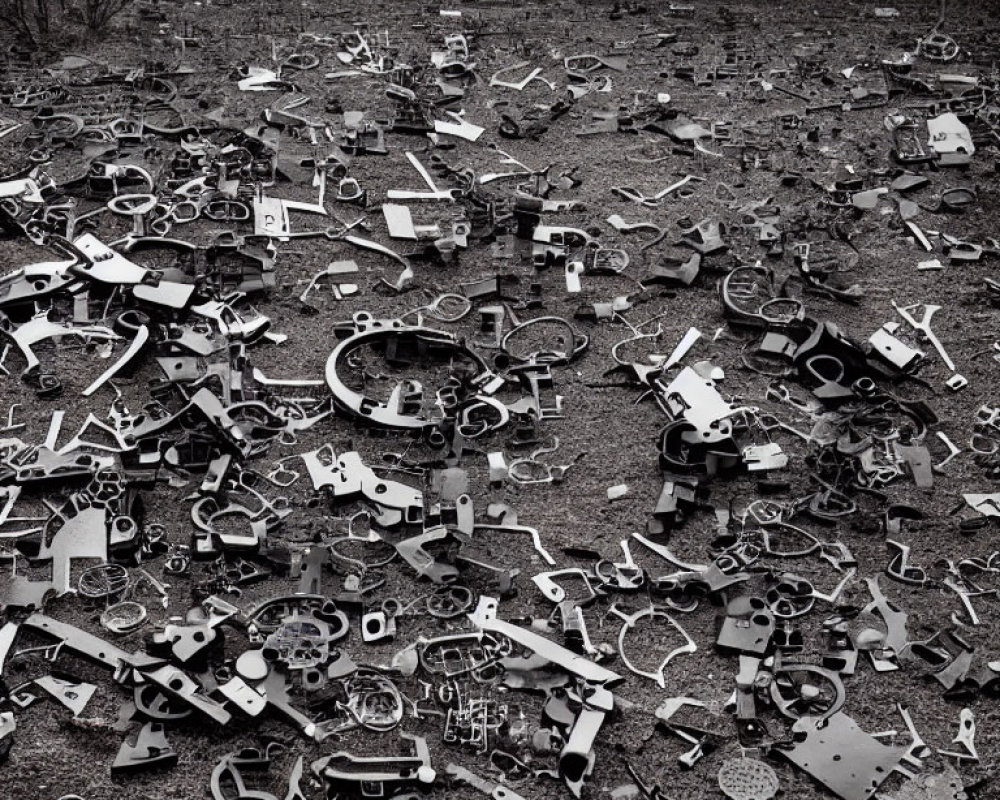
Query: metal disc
747, 779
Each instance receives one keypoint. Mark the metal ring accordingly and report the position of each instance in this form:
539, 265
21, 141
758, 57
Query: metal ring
132, 205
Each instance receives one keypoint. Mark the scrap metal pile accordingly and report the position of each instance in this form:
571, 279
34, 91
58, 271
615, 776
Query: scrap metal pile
300, 451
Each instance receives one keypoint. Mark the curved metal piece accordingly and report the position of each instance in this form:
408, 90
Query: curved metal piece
412, 551
371, 331
546, 583
637, 336
629, 621
227, 777
471, 424
664, 552
748, 298
578, 342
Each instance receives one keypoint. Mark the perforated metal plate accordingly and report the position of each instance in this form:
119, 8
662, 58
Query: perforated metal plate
747, 779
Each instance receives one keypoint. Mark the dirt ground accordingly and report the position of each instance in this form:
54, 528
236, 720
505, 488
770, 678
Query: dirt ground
807, 135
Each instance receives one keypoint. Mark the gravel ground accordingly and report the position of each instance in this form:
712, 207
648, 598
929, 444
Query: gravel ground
608, 431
